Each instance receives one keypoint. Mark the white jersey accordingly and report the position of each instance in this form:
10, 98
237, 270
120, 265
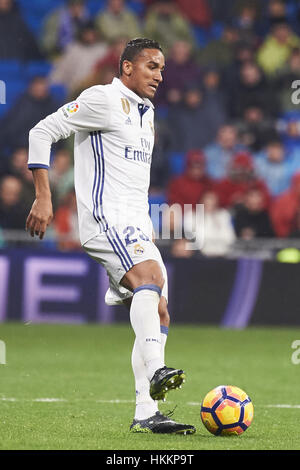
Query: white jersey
114, 138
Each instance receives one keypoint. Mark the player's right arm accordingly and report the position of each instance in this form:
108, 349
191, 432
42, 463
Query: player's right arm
41, 212
88, 113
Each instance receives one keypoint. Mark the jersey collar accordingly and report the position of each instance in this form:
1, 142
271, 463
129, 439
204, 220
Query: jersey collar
117, 82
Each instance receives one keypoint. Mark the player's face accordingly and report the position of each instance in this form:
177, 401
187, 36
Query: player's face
146, 73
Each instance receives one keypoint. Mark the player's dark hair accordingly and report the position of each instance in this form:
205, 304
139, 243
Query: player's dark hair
135, 47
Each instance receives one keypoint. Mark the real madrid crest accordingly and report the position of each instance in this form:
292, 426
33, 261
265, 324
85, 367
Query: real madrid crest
138, 249
125, 105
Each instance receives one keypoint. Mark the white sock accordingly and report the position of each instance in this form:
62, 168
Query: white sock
146, 325
163, 338
145, 406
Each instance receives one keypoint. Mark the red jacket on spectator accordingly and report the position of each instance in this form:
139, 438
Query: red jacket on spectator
240, 179
198, 12
285, 208
190, 187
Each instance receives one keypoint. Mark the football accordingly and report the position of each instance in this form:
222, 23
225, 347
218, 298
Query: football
226, 410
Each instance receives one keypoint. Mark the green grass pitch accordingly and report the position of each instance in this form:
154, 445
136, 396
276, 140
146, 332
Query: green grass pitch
71, 387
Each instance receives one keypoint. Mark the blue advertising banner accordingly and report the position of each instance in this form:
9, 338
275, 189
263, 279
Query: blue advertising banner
52, 287
60, 287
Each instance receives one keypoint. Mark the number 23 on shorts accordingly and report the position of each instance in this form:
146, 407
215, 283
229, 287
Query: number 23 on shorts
133, 234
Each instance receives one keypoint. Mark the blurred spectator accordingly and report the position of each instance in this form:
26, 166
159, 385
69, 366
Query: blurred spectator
220, 52
107, 68
87, 50
61, 26
195, 121
242, 53
61, 175
180, 249
276, 11
255, 128
13, 212
221, 11
288, 127
285, 209
252, 89
277, 48
180, 69
117, 20
217, 234
273, 167
251, 219
220, 153
225, 11
66, 223
213, 90
239, 179
246, 22
35, 104
18, 167
165, 24
16, 40
198, 12
189, 187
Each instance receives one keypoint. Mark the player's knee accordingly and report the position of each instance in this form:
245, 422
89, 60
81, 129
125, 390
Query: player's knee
152, 277
157, 279
143, 274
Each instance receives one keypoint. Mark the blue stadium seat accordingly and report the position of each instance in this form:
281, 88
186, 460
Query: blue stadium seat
14, 89
204, 36
10, 69
156, 216
59, 93
35, 14
157, 198
37, 67
176, 163
94, 6
137, 6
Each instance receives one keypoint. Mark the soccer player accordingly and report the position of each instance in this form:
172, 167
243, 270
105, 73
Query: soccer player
114, 137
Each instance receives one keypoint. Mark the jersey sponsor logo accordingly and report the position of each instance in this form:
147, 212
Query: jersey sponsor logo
125, 105
138, 249
137, 155
71, 108
128, 121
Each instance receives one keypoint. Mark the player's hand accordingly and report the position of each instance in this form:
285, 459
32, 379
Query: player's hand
39, 217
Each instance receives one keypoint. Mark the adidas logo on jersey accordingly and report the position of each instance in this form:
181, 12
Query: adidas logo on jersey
128, 121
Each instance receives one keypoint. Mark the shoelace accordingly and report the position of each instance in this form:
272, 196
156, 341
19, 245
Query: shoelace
170, 412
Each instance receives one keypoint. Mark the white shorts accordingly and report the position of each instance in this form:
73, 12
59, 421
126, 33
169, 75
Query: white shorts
118, 250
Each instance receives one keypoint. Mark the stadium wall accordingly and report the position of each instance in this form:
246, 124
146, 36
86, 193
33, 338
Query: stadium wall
55, 287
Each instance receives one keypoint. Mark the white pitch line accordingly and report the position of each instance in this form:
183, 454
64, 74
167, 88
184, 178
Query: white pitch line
45, 400
49, 400
282, 406
115, 401
118, 402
